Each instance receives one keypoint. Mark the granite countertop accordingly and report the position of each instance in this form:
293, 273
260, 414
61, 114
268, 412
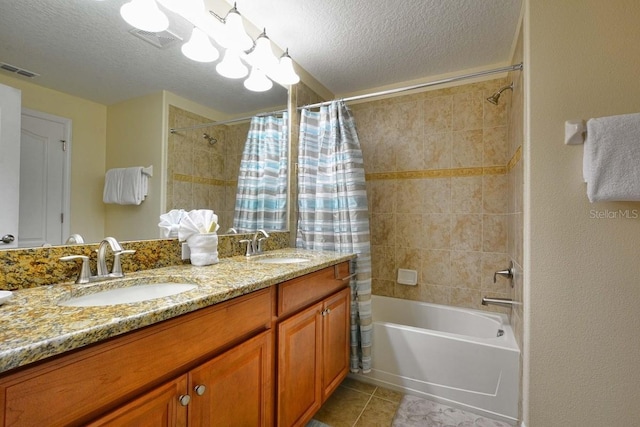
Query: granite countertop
35, 327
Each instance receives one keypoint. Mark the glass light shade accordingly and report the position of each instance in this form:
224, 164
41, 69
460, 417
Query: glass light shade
199, 47
231, 66
258, 81
262, 55
286, 75
144, 15
235, 36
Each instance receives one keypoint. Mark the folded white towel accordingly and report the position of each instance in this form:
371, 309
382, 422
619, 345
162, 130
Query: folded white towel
170, 222
197, 221
611, 164
125, 186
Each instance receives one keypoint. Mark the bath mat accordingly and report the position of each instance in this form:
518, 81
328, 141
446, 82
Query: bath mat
314, 423
417, 412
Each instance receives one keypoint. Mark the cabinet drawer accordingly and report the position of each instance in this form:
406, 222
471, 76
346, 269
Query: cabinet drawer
74, 388
297, 293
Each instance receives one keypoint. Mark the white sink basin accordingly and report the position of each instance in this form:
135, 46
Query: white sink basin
127, 295
281, 260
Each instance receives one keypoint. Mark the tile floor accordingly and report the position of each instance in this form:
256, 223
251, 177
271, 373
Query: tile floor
357, 404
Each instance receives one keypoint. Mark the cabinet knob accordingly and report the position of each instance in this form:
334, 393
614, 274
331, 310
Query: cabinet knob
325, 311
200, 389
184, 399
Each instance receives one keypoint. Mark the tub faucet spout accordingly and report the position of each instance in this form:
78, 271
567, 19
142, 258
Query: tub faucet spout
502, 302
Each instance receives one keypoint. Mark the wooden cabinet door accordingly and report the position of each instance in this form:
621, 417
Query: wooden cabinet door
158, 408
299, 361
235, 388
335, 341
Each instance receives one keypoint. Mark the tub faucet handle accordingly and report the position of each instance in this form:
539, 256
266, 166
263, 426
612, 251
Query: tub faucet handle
508, 273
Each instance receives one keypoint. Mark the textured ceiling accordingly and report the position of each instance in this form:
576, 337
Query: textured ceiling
83, 47
361, 44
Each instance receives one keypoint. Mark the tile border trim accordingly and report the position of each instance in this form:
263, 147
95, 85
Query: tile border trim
448, 173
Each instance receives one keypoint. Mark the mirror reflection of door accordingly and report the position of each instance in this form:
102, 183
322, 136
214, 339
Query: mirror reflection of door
44, 179
10, 101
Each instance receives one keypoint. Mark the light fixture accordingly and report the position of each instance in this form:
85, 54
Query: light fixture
199, 47
228, 33
234, 35
144, 15
231, 66
286, 75
258, 81
262, 55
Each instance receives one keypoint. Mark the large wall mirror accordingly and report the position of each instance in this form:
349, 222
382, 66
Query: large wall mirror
123, 91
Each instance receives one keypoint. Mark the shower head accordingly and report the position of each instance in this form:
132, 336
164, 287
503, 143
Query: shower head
496, 96
209, 138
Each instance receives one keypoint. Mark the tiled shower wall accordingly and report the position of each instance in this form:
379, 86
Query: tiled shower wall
436, 165
201, 175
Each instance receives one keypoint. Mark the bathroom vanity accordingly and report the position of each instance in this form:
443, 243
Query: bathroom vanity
256, 344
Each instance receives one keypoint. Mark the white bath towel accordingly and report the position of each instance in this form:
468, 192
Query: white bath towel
125, 186
611, 164
203, 249
197, 221
170, 222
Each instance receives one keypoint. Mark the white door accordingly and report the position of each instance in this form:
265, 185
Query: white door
44, 183
10, 101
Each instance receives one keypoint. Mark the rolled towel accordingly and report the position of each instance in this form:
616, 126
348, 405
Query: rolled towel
204, 249
170, 222
197, 221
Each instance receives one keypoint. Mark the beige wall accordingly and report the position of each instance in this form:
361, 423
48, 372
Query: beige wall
135, 137
88, 142
582, 275
435, 164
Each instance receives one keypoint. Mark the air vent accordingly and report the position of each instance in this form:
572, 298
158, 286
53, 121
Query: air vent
160, 40
13, 69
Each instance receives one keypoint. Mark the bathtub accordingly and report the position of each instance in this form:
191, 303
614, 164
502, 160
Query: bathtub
463, 358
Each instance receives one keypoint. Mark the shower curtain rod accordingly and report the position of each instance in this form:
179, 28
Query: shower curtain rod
225, 122
514, 67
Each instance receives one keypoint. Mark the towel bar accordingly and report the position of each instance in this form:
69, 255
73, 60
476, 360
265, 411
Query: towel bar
148, 171
575, 132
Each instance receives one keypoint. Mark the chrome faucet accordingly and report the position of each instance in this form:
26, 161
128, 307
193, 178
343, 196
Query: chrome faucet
102, 255
74, 239
103, 273
257, 242
254, 246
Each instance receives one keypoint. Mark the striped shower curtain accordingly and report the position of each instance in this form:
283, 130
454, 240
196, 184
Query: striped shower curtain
333, 213
261, 198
